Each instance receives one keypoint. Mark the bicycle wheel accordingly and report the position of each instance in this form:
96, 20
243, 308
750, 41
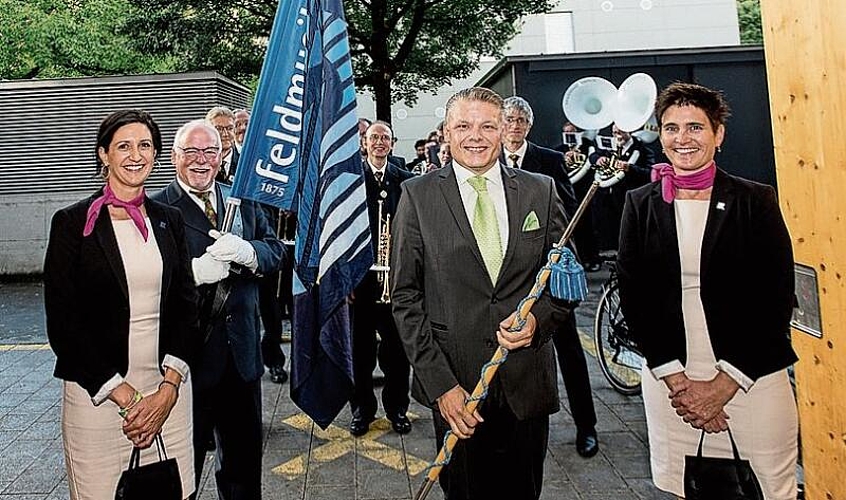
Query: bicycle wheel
620, 364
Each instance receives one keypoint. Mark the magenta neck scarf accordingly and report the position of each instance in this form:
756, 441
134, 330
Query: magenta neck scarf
132, 207
671, 182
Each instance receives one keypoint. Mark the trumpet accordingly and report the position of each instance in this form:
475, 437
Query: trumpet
383, 256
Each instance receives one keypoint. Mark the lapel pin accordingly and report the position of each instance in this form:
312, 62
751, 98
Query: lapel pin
721, 205
163, 224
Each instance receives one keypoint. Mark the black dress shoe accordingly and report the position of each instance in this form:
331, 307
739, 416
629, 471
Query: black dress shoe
587, 444
400, 423
359, 426
278, 375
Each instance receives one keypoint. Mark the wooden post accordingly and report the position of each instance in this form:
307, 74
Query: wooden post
806, 70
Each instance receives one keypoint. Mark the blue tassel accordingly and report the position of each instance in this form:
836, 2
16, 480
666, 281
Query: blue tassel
567, 277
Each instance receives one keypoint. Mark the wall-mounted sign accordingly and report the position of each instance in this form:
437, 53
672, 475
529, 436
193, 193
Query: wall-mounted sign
806, 317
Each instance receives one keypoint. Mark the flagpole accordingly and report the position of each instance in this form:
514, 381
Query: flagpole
501, 354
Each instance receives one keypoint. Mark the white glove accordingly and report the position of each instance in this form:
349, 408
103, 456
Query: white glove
231, 248
207, 269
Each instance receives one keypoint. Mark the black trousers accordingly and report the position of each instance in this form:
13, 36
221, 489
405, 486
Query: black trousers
232, 411
270, 311
571, 360
503, 459
367, 319
585, 232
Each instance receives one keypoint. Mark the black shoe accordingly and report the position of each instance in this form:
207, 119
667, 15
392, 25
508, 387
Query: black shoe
359, 426
278, 375
400, 423
587, 445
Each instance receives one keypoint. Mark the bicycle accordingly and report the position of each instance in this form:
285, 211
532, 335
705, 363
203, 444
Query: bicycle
617, 353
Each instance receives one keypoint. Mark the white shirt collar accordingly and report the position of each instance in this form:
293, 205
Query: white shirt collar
521, 152
212, 193
462, 173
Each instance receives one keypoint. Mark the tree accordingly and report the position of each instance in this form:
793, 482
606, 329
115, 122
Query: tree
65, 38
399, 47
749, 19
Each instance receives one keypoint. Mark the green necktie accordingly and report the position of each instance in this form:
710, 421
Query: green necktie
486, 227
208, 208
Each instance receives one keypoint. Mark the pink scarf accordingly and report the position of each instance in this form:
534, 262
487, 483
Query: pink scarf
132, 208
670, 181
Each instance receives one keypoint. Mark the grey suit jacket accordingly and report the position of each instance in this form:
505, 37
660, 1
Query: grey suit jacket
446, 309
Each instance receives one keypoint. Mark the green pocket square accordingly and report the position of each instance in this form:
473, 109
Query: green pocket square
530, 223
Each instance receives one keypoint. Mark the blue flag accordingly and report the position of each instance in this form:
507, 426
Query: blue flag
270, 165
301, 153
333, 248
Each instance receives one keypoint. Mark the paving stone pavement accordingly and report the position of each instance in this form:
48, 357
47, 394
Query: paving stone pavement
300, 460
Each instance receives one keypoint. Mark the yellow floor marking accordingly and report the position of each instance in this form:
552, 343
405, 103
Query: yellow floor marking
24, 347
340, 442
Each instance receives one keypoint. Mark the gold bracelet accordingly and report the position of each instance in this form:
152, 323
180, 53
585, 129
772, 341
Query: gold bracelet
135, 399
168, 382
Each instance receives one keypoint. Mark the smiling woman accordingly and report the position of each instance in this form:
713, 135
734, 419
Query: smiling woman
121, 310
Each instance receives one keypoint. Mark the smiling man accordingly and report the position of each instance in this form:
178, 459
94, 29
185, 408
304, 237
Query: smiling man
227, 366
469, 240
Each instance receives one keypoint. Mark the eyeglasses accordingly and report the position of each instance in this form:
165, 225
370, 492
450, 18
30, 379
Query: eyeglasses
377, 138
228, 130
193, 153
516, 120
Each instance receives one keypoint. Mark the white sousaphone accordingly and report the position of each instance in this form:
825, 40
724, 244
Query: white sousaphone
588, 103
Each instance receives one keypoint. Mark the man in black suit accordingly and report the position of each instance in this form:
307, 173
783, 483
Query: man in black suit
522, 154
223, 120
636, 160
227, 367
469, 241
369, 313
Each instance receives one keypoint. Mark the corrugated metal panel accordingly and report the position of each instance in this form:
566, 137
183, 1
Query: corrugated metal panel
48, 137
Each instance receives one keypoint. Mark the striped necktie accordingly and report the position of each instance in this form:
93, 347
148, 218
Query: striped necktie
514, 158
205, 197
486, 227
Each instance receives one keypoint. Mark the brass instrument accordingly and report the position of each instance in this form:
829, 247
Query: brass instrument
383, 257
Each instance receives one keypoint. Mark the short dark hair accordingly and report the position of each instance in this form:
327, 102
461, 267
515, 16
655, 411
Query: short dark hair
118, 119
712, 102
420, 143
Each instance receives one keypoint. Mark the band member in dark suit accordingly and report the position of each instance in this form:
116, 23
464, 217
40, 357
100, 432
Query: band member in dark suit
382, 181
469, 240
121, 316
636, 160
228, 366
223, 120
706, 284
585, 233
521, 153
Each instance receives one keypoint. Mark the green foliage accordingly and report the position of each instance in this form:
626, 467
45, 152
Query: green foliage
399, 47
749, 18
65, 38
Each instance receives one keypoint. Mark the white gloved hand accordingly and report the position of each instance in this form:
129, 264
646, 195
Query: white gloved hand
207, 269
231, 248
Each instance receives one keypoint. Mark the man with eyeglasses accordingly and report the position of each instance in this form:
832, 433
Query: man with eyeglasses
227, 367
517, 152
382, 182
223, 120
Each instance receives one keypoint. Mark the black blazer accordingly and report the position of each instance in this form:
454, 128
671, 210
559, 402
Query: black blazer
550, 163
237, 329
87, 300
368, 289
746, 276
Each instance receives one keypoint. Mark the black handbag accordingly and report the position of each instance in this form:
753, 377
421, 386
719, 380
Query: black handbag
710, 478
159, 480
